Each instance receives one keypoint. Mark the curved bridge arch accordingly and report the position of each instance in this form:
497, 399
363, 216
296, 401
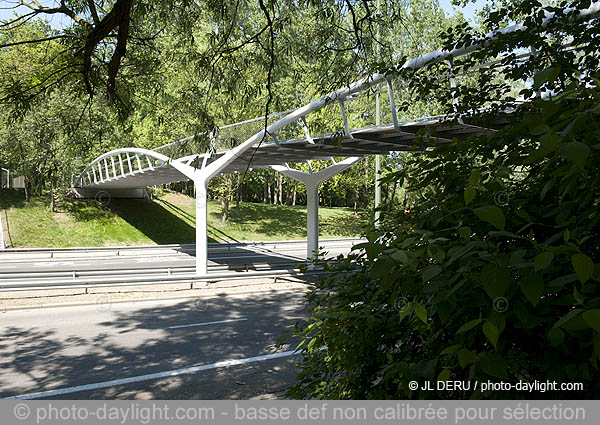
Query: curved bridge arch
134, 168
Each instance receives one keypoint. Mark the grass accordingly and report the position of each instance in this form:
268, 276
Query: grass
169, 218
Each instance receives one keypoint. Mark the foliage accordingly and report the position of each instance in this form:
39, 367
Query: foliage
494, 274
193, 67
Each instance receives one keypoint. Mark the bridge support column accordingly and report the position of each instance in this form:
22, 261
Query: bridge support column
312, 181
201, 227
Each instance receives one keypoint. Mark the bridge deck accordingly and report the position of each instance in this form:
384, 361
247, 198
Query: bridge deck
363, 142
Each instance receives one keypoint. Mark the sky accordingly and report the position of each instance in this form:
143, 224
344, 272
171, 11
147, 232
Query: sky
466, 11
7, 11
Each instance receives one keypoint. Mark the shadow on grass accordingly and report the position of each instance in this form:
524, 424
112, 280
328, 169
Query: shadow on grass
155, 221
210, 229
345, 225
270, 220
85, 210
12, 198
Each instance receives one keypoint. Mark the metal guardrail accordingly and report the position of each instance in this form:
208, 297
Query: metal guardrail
212, 247
157, 280
136, 276
140, 271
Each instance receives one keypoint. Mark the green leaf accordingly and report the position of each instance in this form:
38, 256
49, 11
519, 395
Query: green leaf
474, 177
400, 256
436, 253
468, 326
465, 357
532, 287
556, 336
543, 260
492, 215
549, 142
431, 272
547, 75
469, 195
576, 152
491, 332
444, 375
496, 280
546, 188
421, 312
567, 317
493, 365
451, 349
465, 232
583, 265
592, 318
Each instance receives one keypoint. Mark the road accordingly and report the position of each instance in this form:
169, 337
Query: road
166, 349
222, 257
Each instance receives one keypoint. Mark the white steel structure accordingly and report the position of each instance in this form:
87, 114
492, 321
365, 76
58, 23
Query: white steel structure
135, 168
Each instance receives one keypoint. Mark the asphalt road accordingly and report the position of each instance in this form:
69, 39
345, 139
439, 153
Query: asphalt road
268, 254
167, 349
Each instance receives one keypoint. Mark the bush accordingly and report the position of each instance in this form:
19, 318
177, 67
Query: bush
493, 275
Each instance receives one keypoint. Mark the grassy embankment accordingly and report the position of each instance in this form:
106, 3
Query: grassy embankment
169, 218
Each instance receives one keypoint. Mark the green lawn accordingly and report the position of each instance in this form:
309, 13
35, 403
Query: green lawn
167, 219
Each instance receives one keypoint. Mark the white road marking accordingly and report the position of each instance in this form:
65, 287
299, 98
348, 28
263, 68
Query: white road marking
8, 267
206, 323
59, 263
231, 257
151, 376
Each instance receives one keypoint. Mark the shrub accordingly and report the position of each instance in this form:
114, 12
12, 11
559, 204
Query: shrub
493, 275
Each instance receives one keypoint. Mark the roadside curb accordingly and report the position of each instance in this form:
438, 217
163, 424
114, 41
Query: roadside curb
137, 300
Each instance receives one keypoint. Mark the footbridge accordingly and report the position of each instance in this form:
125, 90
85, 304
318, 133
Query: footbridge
338, 128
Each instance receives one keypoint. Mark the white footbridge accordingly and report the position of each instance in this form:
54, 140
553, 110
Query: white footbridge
286, 138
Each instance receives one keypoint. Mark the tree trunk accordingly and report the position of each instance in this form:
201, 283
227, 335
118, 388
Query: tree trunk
288, 192
224, 209
294, 196
238, 192
25, 178
267, 197
225, 198
280, 188
52, 203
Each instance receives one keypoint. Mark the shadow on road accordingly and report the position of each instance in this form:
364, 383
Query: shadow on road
125, 342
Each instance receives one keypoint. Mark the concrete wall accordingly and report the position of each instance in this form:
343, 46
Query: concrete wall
18, 182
